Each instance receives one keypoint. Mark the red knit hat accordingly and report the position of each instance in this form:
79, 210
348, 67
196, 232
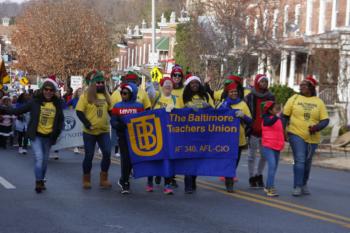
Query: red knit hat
177, 69
162, 81
231, 86
131, 76
311, 80
127, 86
234, 78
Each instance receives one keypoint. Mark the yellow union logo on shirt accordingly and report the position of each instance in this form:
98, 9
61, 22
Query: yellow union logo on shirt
145, 134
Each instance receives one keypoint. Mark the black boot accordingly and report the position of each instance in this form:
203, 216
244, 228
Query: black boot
38, 186
229, 184
260, 181
252, 182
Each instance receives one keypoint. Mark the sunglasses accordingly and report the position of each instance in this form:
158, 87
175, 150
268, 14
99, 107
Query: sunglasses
177, 75
100, 82
49, 89
124, 93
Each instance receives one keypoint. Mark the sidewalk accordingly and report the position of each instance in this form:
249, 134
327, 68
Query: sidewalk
338, 160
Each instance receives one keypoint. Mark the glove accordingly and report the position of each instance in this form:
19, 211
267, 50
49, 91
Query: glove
313, 129
169, 108
205, 105
239, 114
194, 108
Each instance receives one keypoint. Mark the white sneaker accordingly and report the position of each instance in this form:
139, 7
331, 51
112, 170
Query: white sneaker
76, 150
24, 151
54, 156
20, 150
117, 155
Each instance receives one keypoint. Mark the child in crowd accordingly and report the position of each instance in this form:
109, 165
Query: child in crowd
6, 122
272, 143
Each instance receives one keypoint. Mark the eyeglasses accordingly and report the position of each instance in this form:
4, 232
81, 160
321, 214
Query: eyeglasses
177, 75
101, 82
124, 93
49, 89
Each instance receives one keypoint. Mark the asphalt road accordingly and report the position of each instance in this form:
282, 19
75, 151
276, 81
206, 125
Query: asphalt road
66, 208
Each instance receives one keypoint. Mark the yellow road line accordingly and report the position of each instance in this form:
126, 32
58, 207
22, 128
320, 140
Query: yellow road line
278, 204
281, 202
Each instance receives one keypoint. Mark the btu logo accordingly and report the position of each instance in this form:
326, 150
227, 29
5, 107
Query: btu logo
145, 134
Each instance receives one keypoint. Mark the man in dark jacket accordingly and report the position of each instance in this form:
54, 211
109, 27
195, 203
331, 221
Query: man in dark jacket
259, 94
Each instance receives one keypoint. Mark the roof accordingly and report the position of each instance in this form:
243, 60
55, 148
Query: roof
163, 44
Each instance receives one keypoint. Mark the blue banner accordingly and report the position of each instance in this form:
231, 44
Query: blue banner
203, 142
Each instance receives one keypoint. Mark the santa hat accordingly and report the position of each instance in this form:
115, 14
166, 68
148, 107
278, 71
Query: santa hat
267, 105
51, 80
231, 86
163, 80
190, 78
260, 77
127, 86
311, 80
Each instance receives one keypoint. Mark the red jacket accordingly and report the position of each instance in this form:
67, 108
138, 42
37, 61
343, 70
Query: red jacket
272, 135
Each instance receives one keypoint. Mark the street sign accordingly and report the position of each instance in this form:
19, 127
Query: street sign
156, 75
24, 81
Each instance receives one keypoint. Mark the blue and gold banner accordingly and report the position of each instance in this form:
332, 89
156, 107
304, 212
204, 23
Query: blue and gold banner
203, 143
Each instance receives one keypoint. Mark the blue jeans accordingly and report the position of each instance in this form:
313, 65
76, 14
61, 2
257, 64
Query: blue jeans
104, 142
41, 147
272, 157
302, 153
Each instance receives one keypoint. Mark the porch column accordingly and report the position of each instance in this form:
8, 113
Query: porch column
321, 17
292, 70
308, 28
261, 63
334, 14
129, 55
283, 69
269, 69
347, 15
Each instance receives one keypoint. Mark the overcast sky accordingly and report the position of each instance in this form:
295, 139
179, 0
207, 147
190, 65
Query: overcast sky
18, 1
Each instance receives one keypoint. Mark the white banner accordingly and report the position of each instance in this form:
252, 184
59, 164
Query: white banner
76, 82
72, 133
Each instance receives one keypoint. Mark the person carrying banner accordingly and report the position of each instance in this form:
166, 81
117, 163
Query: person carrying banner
177, 76
128, 105
45, 125
272, 143
195, 97
142, 95
165, 99
307, 116
259, 94
233, 101
220, 95
92, 110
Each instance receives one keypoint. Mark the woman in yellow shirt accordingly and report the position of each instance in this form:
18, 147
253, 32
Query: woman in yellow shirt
307, 116
195, 97
92, 110
45, 125
233, 101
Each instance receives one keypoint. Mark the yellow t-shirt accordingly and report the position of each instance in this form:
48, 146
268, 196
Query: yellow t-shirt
198, 102
304, 112
142, 97
46, 118
97, 114
163, 101
244, 108
178, 92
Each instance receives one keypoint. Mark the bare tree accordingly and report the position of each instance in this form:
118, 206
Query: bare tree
63, 37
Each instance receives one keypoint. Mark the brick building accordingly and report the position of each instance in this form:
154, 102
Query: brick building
134, 52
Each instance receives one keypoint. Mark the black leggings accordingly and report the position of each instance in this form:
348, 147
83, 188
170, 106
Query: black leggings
22, 139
